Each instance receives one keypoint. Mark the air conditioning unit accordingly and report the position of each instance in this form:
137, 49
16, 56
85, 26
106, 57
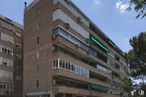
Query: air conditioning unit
79, 19
67, 25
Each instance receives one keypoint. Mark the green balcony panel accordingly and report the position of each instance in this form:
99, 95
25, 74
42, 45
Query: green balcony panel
92, 38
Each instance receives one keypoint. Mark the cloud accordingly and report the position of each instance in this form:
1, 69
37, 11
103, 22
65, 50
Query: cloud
96, 2
122, 7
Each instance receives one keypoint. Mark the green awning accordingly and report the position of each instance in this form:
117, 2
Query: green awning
99, 43
99, 87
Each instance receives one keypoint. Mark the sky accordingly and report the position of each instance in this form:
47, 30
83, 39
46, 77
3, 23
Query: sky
109, 15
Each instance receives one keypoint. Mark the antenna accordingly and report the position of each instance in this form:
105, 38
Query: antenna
25, 4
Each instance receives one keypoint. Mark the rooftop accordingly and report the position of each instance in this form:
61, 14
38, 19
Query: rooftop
11, 22
90, 21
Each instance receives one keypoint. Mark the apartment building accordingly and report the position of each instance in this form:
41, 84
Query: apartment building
10, 58
67, 55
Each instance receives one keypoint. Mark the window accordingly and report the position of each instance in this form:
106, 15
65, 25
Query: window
110, 62
38, 68
6, 87
18, 45
6, 50
117, 66
110, 53
18, 77
66, 65
37, 83
96, 76
70, 38
38, 11
18, 57
61, 65
93, 52
82, 46
122, 62
7, 25
6, 62
37, 26
63, 33
37, 55
117, 57
102, 68
56, 64
71, 67
18, 34
73, 40
97, 54
1, 86
6, 37
78, 69
6, 74
38, 40
83, 71
102, 57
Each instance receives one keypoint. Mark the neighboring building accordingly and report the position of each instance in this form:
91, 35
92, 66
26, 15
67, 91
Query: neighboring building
67, 55
10, 58
139, 90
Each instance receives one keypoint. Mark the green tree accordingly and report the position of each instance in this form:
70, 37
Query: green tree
140, 7
127, 84
137, 56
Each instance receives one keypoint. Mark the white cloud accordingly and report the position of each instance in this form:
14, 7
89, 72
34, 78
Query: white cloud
122, 7
96, 2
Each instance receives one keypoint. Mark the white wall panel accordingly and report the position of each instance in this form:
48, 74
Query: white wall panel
59, 14
6, 74
73, 11
7, 37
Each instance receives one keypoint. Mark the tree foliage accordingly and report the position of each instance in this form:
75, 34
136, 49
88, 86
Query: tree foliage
140, 7
137, 56
127, 84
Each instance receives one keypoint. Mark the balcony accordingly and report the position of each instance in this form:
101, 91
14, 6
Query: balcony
6, 80
7, 68
87, 65
80, 92
71, 75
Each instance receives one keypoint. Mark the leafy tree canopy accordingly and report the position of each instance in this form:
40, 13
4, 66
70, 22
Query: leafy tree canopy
137, 56
140, 7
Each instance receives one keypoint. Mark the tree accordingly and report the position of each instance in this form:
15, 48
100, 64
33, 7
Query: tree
140, 7
137, 56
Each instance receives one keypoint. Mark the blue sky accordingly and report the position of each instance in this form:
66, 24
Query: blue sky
109, 15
